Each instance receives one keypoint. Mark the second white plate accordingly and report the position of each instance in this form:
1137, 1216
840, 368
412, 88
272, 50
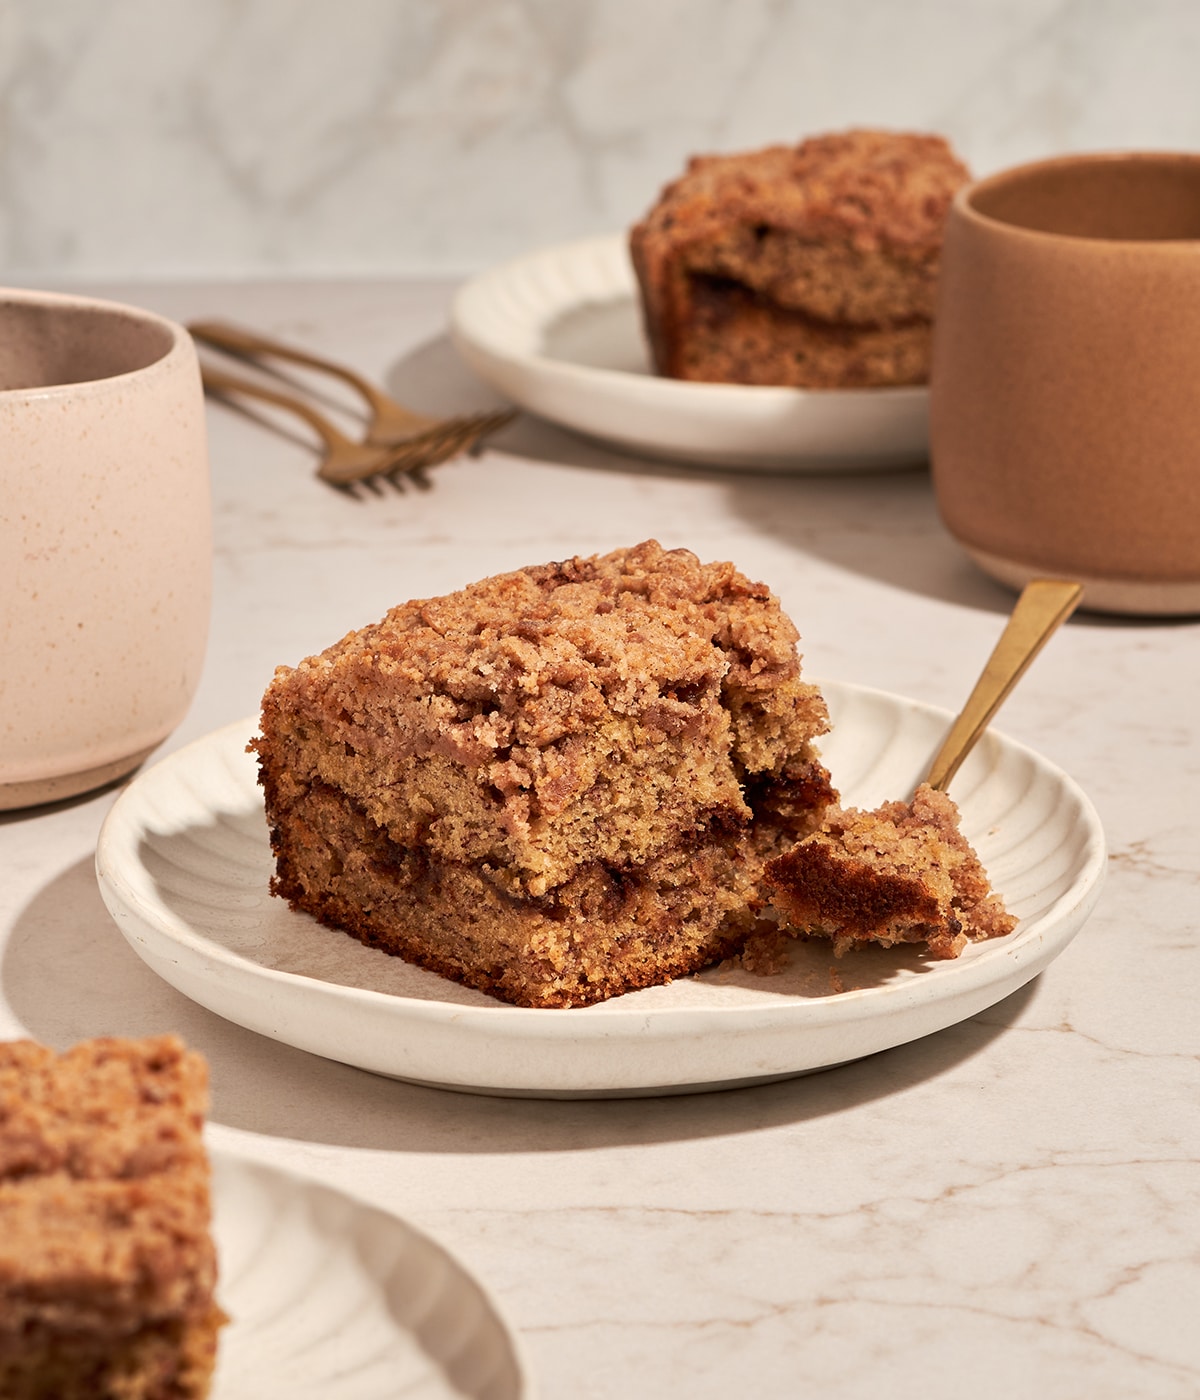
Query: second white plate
183, 861
559, 332
329, 1297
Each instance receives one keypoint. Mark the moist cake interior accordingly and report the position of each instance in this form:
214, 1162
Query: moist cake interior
903, 873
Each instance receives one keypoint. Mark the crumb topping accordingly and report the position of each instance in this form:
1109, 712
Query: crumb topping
875, 189
110, 1108
529, 658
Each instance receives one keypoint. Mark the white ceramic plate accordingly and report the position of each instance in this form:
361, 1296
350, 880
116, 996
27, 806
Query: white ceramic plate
183, 862
559, 332
330, 1297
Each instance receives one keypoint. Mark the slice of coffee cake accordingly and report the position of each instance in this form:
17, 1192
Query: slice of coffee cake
107, 1266
556, 785
903, 873
814, 265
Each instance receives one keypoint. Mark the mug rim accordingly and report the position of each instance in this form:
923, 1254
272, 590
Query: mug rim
179, 341
962, 205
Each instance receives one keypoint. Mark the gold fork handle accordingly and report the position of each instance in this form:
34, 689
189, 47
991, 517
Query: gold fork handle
220, 381
223, 336
1041, 609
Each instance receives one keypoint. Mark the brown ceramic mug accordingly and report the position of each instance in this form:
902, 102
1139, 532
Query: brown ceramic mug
1065, 391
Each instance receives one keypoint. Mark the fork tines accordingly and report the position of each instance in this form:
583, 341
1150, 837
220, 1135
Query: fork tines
444, 441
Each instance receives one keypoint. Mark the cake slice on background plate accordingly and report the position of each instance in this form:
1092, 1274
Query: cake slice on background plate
812, 266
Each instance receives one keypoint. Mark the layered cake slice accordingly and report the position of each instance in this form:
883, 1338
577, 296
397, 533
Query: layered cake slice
107, 1266
556, 785
903, 873
814, 265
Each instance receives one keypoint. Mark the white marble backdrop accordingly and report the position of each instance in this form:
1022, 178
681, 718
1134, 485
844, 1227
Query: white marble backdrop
165, 138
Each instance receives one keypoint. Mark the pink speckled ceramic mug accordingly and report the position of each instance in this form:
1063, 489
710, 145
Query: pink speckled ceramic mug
105, 540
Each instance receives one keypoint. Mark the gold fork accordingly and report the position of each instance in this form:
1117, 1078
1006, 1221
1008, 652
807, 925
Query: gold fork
343, 461
1044, 605
397, 440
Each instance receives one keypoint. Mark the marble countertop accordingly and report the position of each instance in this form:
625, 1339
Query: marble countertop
1009, 1207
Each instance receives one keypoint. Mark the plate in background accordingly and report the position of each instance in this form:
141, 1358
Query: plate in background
183, 861
329, 1296
559, 333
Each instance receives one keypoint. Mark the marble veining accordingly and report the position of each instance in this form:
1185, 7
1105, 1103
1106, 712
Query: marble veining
249, 137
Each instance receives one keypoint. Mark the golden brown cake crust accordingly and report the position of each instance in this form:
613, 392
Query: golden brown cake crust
521, 661
812, 265
547, 747
904, 873
872, 189
107, 1266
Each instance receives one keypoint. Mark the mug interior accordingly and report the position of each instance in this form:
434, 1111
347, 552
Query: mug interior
45, 344
1133, 198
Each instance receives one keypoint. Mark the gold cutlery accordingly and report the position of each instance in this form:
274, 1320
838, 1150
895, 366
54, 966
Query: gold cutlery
397, 440
1044, 605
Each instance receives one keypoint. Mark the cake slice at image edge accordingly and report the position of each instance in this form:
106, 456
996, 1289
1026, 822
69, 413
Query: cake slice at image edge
107, 1264
556, 785
903, 873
